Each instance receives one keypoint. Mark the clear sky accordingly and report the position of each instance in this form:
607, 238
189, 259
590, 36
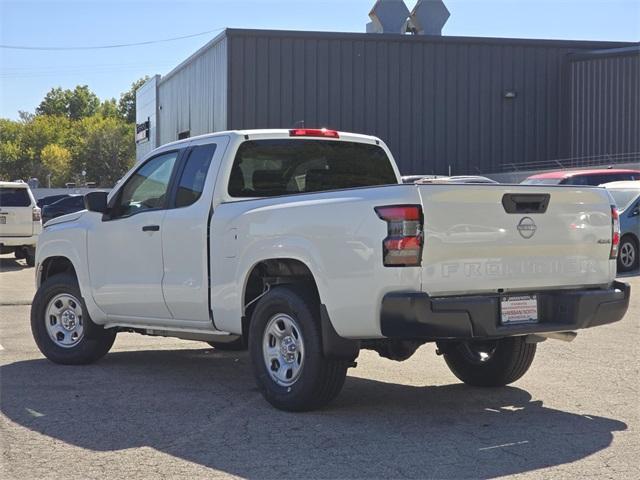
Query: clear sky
26, 75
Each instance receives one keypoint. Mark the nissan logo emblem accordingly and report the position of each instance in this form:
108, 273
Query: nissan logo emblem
527, 227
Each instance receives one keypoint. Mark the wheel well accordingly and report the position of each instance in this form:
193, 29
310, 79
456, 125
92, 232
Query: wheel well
631, 236
268, 273
55, 265
287, 271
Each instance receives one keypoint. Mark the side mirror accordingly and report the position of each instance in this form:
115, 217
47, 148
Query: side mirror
96, 202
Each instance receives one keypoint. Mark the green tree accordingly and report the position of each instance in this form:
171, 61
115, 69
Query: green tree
25, 117
127, 103
11, 165
55, 102
56, 160
107, 149
83, 103
108, 108
72, 131
75, 104
37, 134
14, 158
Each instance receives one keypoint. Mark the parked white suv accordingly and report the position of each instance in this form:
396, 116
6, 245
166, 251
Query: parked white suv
20, 221
304, 246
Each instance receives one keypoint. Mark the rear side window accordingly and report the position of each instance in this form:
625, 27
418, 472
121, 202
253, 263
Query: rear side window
267, 168
14, 197
194, 174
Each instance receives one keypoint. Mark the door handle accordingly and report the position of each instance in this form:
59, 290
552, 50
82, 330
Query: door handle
151, 228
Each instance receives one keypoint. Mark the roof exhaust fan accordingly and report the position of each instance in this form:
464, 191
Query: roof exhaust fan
428, 17
392, 16
388, 16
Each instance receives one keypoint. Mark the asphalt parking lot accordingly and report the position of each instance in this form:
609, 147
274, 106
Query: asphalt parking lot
163, 408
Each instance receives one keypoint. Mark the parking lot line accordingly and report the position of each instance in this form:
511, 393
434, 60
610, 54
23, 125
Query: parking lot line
505, 445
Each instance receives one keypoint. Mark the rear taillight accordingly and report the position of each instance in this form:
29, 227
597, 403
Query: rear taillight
403, 245
36, 215
615, 232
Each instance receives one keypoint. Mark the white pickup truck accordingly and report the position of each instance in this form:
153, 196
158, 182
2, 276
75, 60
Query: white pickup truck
304, 247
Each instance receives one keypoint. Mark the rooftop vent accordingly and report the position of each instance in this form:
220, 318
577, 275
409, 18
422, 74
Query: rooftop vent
388, 16
392, 16
428, 17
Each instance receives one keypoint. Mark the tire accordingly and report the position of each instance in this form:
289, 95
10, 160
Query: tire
507, 360
19, 253
30, 257
314, 380
628, 255
85, 343
237, 345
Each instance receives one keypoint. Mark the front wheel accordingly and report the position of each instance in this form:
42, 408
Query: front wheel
492, 363
286, 351
61, 325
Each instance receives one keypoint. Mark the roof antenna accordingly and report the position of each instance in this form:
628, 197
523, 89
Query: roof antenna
298, 124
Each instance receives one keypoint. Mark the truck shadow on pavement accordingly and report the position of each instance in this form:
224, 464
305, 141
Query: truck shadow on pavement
202, 406
12, 264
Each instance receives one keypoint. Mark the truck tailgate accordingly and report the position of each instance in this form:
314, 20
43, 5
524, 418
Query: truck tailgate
483, 238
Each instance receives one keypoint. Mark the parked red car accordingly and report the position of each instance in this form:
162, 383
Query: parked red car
582, 177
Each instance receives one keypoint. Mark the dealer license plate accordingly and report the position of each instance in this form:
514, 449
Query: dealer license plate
519, 309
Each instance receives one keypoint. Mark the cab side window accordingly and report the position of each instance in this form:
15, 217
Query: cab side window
147, 188
194, 174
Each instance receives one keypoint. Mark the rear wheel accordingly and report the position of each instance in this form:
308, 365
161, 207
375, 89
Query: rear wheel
493, 363
628, 256
286, 351
61, 325
30, 256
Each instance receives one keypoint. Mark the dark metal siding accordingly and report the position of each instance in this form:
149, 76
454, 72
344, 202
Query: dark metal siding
436, 101
605, 104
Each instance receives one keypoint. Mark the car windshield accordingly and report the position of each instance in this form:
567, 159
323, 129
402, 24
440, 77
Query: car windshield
624, 197
75, 201
51, 199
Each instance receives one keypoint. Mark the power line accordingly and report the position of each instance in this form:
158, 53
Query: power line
103, 47
32, 72
62, 67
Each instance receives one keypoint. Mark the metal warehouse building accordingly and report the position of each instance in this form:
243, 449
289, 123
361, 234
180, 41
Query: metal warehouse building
465, 105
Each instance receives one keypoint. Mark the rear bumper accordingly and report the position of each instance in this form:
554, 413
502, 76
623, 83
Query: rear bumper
29, 241
416, 315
